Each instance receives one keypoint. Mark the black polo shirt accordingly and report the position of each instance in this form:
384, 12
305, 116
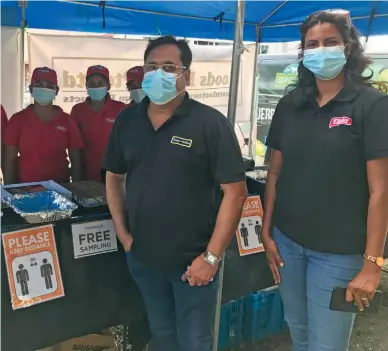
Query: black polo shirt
172, 178
322, 193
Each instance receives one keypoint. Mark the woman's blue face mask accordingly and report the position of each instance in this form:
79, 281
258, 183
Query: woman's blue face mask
97, 94
43, 96
325, 63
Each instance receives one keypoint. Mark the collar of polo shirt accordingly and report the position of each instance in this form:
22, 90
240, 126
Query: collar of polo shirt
182, 110
348, 93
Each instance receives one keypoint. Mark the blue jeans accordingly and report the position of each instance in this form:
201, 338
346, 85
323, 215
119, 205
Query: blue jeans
180, 316
307, 281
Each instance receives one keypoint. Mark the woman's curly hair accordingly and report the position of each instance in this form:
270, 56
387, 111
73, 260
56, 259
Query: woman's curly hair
356, 63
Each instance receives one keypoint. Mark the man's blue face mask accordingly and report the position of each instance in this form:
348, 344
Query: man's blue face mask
160, 86
325, 63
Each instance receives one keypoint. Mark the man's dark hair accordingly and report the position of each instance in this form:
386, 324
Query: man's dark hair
186, 54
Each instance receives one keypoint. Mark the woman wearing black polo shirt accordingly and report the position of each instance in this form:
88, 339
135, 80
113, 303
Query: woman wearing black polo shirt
326, 199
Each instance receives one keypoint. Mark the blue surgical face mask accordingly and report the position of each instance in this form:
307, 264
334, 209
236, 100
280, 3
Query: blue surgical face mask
325, 63
43, 96
137, 95
97, 94
160, 86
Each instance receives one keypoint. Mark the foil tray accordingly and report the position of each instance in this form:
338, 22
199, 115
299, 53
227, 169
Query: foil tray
42, 207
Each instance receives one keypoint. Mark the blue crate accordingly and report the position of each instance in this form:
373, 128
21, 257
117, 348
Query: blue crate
265, 315
232, 323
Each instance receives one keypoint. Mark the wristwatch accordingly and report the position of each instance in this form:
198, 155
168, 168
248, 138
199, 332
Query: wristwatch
211, 258
378, 260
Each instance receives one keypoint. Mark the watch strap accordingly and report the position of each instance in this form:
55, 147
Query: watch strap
378, 260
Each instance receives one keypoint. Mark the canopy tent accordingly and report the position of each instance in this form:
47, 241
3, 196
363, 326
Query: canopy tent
279, 20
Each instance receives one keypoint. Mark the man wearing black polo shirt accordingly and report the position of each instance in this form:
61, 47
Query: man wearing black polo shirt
173, 154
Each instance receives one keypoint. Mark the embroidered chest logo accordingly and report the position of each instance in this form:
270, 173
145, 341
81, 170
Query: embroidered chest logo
337, 121
109, 120
181, 141
60, 128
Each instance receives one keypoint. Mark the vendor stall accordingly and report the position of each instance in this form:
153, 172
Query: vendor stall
98, 291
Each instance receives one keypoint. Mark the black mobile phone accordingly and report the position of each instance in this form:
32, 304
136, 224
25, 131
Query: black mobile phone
338, 302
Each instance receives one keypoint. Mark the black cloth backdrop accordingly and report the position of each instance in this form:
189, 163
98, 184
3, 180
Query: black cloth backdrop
99, 291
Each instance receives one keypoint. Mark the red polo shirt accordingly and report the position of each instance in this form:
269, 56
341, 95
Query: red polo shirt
95, 128
43, 146
4, 122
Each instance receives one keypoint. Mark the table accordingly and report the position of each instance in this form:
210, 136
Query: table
99, 291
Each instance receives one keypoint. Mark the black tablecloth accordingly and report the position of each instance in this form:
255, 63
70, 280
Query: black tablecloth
99, 291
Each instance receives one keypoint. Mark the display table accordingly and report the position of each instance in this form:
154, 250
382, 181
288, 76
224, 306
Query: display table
99, 291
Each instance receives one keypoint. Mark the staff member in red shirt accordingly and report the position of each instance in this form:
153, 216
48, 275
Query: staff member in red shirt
42, 134
135, 77
4, 122
95, 118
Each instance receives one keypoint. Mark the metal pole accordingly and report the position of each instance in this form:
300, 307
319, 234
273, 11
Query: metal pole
22, 5
217, 316
232, 104
238, 49
253, 117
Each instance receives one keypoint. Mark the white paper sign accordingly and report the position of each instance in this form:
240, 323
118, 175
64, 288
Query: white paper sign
70, 56
249, 229
93, 238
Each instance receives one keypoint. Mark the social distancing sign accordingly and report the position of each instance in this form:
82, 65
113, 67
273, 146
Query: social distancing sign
249, 228
93, 238
34, 274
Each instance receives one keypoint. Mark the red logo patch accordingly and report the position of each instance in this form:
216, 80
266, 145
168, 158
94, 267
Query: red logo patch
337, 121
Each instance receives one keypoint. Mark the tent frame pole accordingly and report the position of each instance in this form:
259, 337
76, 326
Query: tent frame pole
252, 117
217, 315
22, 5
238, 49
158, 13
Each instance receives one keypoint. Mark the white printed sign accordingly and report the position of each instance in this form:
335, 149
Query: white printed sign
34, 274
93, 238
70, 56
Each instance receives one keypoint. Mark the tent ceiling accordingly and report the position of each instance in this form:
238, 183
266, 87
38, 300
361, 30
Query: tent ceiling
189, 18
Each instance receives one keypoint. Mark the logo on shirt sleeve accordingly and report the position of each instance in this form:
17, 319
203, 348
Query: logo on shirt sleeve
181, 141
337, 121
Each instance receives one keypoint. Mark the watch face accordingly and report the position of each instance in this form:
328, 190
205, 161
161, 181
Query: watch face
211, 259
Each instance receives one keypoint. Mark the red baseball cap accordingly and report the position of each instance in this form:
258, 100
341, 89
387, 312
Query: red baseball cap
135, 73
44, 73
98, 69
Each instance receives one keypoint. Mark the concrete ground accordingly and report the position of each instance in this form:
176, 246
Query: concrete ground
370, 332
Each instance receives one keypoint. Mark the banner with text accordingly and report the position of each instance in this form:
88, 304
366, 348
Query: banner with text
70, 56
